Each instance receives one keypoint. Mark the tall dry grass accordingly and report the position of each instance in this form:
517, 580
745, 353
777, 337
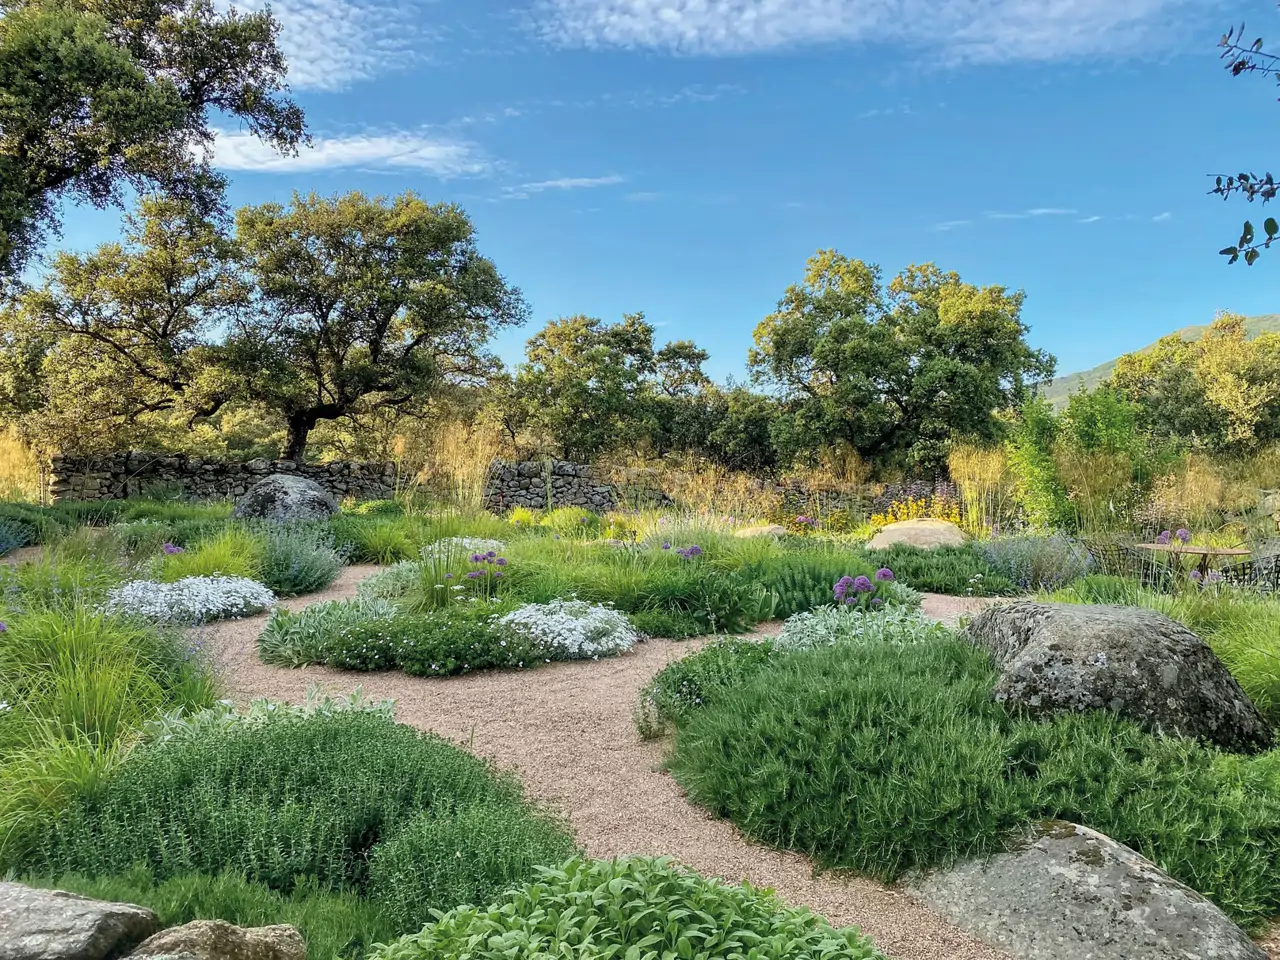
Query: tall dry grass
986, 484
450, 461
21, 472
1100, 487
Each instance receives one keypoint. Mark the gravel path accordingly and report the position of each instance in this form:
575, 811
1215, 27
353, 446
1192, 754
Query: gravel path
567, 729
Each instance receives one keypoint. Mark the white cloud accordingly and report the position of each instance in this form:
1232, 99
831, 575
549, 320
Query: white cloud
966, 30
951, 224
1027, 214
1162, 217
526, 190
643, 196
332, 43
443, 158
1094, 219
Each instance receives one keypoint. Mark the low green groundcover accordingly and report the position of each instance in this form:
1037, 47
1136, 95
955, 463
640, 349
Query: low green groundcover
625, 910
884, 759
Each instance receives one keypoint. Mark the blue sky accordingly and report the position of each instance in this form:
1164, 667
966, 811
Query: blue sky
684, 157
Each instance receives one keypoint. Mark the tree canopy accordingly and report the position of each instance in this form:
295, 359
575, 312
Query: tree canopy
894, 371
313, 312
98, 99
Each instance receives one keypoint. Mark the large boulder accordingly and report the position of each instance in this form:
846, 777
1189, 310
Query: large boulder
1070, 893
219, 940
1058, 658
925, 533
285, 498
56, 925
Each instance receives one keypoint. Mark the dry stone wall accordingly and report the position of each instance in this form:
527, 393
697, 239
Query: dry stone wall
126, 474
542, 485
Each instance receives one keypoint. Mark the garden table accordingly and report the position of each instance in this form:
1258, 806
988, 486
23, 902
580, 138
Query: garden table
1206, 554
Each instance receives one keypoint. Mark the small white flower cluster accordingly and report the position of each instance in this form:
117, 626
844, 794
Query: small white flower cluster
828, 625
571, 629
456, 545
180, 724
190, 600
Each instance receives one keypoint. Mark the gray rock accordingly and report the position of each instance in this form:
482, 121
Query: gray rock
56, 925
1070, 893
1058, 658
285, 498
219, 940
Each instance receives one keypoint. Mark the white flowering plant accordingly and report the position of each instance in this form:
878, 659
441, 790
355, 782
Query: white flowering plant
182, 724
191, 600
570, 629
825, 626
297, 639
391, 583
455, 545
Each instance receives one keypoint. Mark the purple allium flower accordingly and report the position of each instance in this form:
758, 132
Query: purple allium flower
884, 575
1195, 575
806, 521
1183, 534
477, 557
501, 561
1213, 576
1164, 537
475, 575
862, 585
666, 545
490, 555
448, 576
877, 602
497, 575
171, 548
3, 626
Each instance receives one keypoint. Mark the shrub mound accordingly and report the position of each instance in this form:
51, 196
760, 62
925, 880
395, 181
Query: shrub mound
883, 761
603, 910
310, 797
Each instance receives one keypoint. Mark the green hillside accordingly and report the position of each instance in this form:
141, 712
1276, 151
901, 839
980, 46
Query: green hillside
1057, 391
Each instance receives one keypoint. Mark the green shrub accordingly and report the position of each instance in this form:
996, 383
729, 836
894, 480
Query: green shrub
636, 907
298, 559
572, 522
694, 681
233, 551
333, 924
379, 538
290, 798
874, 761
804, 579
296, 639
1037, 562
43, 526
902, 626
379, 508
15, 534
956, 571
463, 856
669, 624
456, 640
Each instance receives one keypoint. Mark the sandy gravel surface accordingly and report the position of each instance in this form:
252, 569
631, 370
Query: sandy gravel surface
567, 730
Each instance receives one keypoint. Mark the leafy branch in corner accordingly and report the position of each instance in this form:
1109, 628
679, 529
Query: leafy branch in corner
1248, 59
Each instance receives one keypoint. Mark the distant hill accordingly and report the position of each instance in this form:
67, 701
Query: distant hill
1057, 390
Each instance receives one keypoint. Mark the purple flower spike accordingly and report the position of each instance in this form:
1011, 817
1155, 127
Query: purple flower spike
3, 627
884, 575
1183, 534
1165, 537
862, 585
1195, 575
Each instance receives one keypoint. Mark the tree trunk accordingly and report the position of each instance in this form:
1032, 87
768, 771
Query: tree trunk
295, 446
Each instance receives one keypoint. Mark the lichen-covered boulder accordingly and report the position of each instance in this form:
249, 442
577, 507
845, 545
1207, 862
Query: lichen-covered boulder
925, 533
1068, 893
219, 940
1058, 658
286, 498
56, 925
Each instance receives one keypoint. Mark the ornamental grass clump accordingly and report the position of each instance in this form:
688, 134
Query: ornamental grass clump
192, 600
1034, 562
630, 908
570, 629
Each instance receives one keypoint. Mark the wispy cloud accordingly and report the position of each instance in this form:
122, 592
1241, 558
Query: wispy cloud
643, 196
526, 190
332, 43
951, 224
964, 30
1162, 217
443, 158
1093, 219
1028, 214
